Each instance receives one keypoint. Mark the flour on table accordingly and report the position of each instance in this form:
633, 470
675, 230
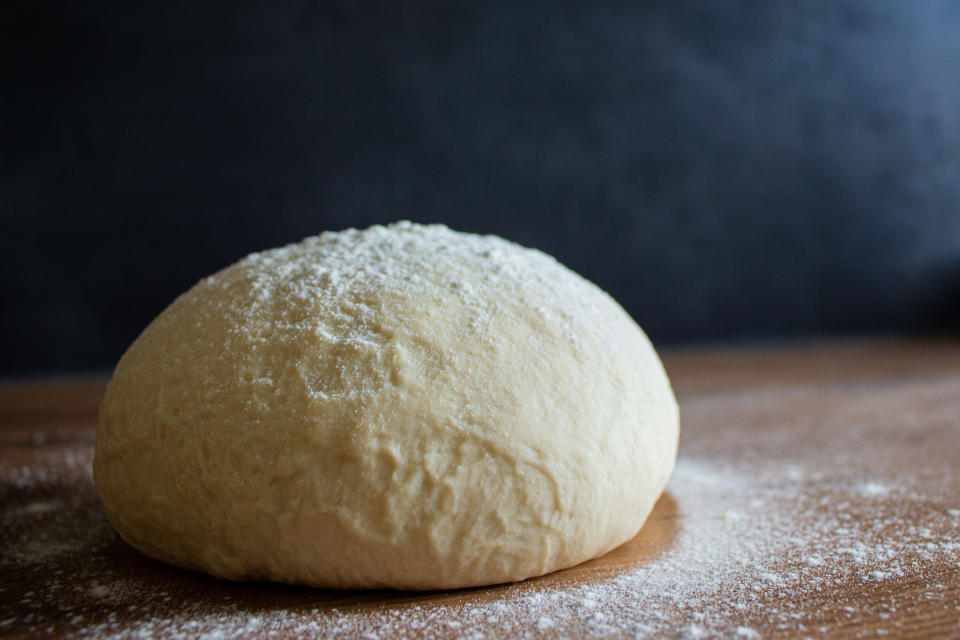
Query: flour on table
751, 537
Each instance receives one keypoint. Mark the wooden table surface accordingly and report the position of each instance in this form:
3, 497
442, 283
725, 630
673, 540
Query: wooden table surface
817, 495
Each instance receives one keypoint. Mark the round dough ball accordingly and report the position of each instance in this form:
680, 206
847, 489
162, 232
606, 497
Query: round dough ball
403, 406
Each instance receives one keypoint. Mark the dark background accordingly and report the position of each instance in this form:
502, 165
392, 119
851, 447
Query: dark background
727, 170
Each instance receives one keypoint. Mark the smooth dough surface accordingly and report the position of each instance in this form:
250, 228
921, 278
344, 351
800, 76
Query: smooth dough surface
402, 406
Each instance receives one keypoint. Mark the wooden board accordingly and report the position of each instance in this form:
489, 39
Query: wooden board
817, 494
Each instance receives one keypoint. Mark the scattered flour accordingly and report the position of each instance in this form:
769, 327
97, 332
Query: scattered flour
873, 489
752, 545
763, 541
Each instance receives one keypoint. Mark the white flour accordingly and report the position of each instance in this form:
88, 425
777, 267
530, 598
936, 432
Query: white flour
752, 545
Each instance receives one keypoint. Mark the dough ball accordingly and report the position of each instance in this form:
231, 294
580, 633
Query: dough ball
403, 406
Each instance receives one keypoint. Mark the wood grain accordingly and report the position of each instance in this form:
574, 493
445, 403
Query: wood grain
881, 411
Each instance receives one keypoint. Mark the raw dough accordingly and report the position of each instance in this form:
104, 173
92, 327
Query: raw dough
403, 406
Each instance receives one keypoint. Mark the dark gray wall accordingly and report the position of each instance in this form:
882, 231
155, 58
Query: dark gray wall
726, 170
